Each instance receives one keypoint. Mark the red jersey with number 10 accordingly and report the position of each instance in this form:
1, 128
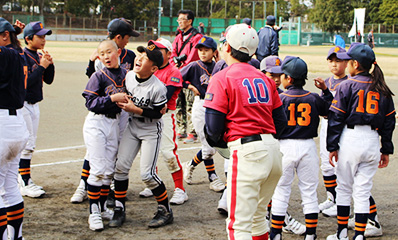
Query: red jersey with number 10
247, 97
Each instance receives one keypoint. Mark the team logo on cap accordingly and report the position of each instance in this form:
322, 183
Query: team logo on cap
336, 49
151, 47
202, 40
277, 62
41, 25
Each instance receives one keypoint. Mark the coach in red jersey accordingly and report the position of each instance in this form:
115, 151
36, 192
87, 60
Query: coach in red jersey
243, 108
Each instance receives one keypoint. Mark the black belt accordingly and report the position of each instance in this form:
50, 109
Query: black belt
140, 119
250, 139
12, 112
350, 126
109, 115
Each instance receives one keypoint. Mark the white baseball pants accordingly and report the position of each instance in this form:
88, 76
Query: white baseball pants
359, 156
169, 145
327, 169
31, 115
101, 136
253, 172
299, 156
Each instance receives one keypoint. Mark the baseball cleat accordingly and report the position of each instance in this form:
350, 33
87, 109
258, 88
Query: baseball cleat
107, 214
95, 221
110, 200
216, 184
162, 217
310, 237
146, 193
190, 139
373, 229
29, 190
179, 197
181, 136
342, 236
187, 170
291, 225
274, 236
222, 204
330, 212
80, 194
326, 204
351, 223
119, 216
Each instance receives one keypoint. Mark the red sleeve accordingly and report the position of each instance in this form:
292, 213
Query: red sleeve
174, 78
216, 96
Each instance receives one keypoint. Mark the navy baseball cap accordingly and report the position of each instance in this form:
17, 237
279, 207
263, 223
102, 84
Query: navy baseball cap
35, 28
121, 26
153, 53
207, 42
341, 53
248, 21
294, 67
271, 64
271, 20
363, 54
5, 26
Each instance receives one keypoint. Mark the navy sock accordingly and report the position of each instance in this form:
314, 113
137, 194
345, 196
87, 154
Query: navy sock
24, 169
330, 184
15, 219
311, 222
360, 223
121, 191
343, 213
161, 197
197, 159
85, 171
93, 195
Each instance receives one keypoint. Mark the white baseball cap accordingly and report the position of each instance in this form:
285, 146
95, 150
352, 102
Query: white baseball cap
243, 38
162, 43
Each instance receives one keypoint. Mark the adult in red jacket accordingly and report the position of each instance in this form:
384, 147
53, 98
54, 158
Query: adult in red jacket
183, 53
185, 41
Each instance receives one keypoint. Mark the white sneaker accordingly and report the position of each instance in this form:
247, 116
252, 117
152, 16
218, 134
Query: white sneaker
335, 237
80, 194
95, 221
373, 229
188, 171
146, 193
330, 212
216, 184
30, 190
107, 214
179, 197
291, 225
222, 203
326, 204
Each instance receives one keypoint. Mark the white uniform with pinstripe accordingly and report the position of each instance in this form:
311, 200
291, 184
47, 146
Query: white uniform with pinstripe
141, 132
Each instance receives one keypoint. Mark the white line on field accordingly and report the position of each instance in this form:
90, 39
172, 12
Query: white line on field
80, 160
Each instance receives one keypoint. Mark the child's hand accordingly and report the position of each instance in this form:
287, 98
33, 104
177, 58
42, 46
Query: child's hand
129, 105
384, 160
19, 24
194, 90
118, 97
45, 62
48, 56
333, 155
94, 55
163, 110
320, 83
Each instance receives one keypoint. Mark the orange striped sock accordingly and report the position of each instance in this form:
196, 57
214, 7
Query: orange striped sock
161, 196
3, 221
311, 222
15, 218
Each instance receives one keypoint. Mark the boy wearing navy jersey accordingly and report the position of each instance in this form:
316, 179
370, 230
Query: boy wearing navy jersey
40, 69
302, 109
119, 30
196, 76
101, 129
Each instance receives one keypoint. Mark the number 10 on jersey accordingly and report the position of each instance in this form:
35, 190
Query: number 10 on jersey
260, 89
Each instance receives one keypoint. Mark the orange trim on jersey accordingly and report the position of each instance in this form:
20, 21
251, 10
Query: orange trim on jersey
338, 109
296, 95
390, 113
203, 68
368, 82
38, 64
90, 92
121, 59
330, 84
113, 80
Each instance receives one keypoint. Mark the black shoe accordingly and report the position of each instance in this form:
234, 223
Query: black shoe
110, 200
118, 217
162, 217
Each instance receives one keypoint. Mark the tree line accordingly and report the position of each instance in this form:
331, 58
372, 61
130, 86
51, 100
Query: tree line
330, 16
